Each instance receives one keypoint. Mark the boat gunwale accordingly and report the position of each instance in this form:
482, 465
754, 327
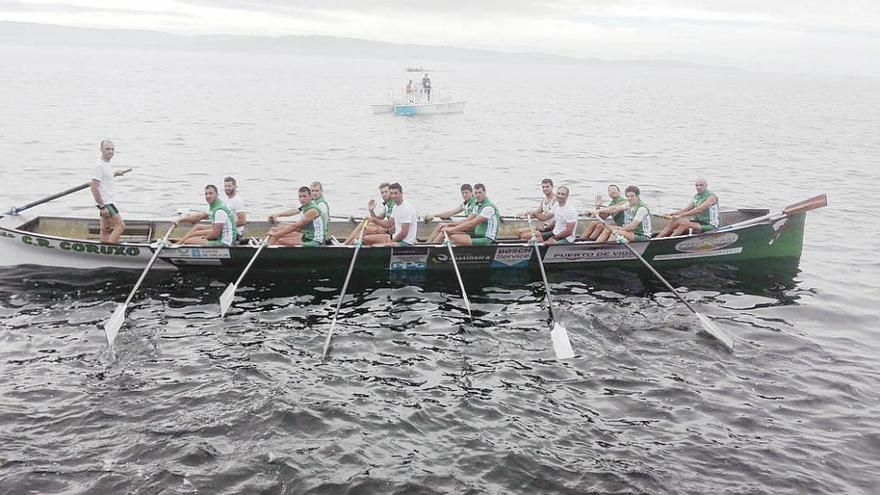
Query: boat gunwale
511, 242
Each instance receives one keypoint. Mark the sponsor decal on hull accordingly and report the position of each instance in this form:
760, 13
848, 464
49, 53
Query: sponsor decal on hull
441, 258
195, 253
703, 254
408, 259
581, 253
704, 243
82, 247
512, 257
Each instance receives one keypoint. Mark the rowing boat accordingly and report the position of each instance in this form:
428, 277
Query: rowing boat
752, 236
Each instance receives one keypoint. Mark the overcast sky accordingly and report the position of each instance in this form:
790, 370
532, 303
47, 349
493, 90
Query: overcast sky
814, 36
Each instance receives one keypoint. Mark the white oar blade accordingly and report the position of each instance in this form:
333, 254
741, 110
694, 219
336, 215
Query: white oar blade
561, 344
327, 341
715, 331
226, 299
112, 326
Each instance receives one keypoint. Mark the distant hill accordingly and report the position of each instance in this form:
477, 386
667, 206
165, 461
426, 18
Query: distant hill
30, 34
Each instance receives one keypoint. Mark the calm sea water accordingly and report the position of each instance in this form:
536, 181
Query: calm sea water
416, 399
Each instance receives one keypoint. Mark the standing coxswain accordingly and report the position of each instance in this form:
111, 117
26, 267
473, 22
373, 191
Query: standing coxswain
103, 191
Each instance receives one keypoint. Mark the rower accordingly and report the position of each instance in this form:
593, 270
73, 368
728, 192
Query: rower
612, 214
484, 224
702, 214
543, 212
102, 187
379, 223
636, 219
235, 204
468, 207
320, 201
309, 231
406, 222
221, 232
565, 220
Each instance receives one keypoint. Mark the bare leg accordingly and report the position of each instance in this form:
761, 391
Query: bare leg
684, 227
461, 240
293, 239
605, 236
105, 227
199, 240
355, 232
117, 228
374, 239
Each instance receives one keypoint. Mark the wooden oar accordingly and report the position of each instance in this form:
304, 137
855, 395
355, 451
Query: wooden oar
708, 325
806, 205
229, 294
112, 326
559, 335
467, 303
357, 248
17, 210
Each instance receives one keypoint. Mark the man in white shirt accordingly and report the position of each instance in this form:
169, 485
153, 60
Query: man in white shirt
565, 219
406, 222
235, 203
102, 187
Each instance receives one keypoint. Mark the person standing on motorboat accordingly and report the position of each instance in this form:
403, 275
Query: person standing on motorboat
102, 187
235, 203
426, 84
409, 91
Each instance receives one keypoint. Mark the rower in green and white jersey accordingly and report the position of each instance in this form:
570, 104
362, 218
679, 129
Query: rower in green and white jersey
318, 197
222, 230
381, 222
309, 231
543, 212
468, 206
484, 224
564, 223
611, 214
636, 218
702, 214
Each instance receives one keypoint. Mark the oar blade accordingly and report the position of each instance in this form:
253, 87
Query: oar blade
561, 344
226, 299
715, 331
112, 325
327, 341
